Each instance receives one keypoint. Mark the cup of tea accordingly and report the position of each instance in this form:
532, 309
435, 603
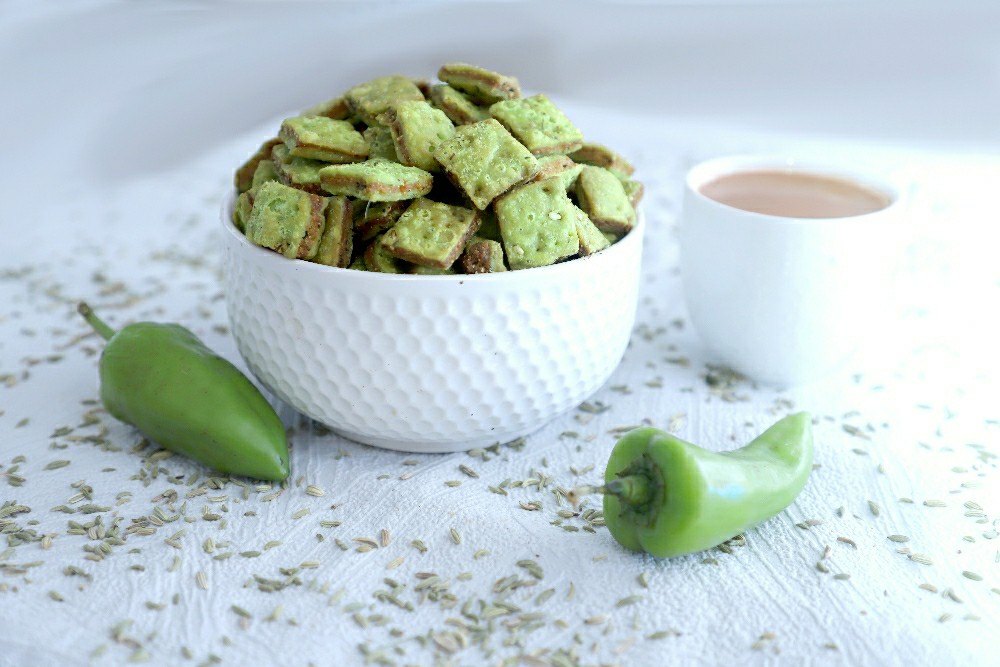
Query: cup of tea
787, 265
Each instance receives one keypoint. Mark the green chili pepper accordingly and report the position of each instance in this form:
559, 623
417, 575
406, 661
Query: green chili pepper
164, 381
668, 497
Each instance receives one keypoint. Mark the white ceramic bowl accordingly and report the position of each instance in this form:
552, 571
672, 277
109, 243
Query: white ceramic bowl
430, 363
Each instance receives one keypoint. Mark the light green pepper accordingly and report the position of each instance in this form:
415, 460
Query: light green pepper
668, 497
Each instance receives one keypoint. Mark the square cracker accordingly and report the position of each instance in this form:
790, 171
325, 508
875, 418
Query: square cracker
417, 130
456, 105
430, 233
297, 172
286, 220
322, 138
480, 84
376, 180
243, 178
538, 124
482, 256
337, 243
371, 99
484, 161
602, 156
537, 223
603, 197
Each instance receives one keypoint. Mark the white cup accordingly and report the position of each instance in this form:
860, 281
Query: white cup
786, 300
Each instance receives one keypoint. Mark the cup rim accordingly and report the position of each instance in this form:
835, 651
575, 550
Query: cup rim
566, 268
706, 170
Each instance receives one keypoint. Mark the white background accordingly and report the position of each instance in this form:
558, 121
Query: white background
120, 125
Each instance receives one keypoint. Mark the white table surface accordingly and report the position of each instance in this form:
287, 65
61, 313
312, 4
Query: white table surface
911, 430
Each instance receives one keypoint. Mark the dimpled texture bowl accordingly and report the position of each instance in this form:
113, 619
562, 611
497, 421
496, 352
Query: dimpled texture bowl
430, 363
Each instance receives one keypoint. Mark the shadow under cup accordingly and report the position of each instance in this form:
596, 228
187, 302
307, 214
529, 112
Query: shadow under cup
786, 300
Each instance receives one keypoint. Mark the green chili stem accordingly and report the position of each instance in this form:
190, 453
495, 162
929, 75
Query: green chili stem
630, 489
99, 325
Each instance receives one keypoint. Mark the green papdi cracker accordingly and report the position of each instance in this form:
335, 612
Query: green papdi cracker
241, 212
286, 220
397, 174
417, 130
484, 161
379, 260
480, 84
430, 233
376, 180
482, 256
336, 109
373, 218
592, 239
371, 99
243, 178
602, 196
459, 108
322, 138
265, 172
488, 226
602, 156
558, 166
537, 224
634, 191
538, 124
298, 172
337, 243
380, 144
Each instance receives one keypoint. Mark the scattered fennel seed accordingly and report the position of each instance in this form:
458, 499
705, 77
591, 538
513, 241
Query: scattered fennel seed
848, 541
899, 538
54, 465
971, 575
455, 536
630, 600
315, 491
875, 509
202, 580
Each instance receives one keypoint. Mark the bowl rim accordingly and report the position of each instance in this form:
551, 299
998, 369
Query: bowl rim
624, 245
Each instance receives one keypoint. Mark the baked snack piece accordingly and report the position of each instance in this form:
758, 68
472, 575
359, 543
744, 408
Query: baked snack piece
591, 238
265, 172
322, 138
538, 124
456, 105
243, 177
634, 191
482, 85
461, 175
482, 256
298, 172
600, 155
430, 233
371, 99
380, 144
558, 165
336, 245
379, 260
602, 196
483, 160
417, 130
241, 212
376, 180
373, 218
336, 109
537, 224
286, 220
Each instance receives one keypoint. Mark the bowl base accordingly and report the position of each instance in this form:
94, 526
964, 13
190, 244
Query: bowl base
438, 446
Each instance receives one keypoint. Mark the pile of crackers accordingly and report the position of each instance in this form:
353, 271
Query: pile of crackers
466, 176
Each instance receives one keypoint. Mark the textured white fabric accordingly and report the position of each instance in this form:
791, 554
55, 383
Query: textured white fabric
921, 404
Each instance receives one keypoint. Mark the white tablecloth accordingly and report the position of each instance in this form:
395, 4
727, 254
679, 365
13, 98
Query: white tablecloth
905, 446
